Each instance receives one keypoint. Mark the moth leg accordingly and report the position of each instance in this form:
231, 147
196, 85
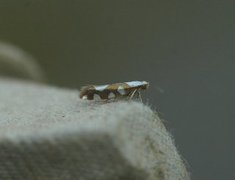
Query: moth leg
132, 94
139, 96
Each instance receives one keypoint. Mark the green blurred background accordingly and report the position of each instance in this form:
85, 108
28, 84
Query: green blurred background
184, 48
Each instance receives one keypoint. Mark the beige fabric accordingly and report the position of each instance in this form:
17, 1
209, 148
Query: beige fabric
48, 133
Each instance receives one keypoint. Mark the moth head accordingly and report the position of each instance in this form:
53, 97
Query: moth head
145, 85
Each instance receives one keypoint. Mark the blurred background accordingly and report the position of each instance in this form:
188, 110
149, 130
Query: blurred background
185, 49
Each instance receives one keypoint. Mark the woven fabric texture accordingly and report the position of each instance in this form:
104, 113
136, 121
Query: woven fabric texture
49, 133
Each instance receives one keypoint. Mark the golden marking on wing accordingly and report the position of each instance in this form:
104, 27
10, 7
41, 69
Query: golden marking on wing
113, 87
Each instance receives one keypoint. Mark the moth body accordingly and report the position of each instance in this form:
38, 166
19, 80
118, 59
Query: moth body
113, 91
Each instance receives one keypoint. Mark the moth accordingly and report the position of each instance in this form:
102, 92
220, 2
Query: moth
113, 91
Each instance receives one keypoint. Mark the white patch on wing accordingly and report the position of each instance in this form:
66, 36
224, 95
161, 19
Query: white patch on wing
134, 83
111, 95
96, 97
101, 88
84, 97
145, 82
121, 90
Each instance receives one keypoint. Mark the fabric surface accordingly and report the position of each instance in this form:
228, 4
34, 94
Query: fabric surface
49, 133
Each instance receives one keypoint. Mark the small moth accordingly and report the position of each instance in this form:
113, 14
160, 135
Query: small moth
113, 91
